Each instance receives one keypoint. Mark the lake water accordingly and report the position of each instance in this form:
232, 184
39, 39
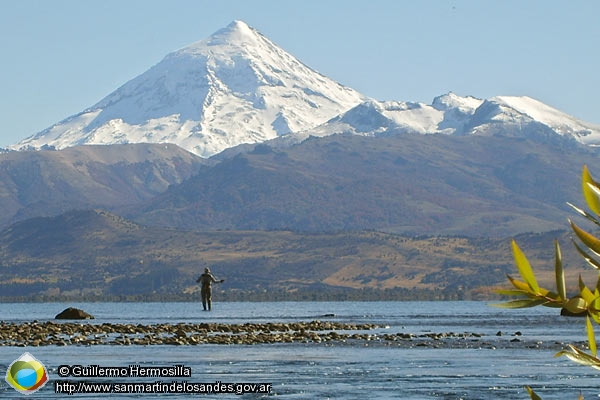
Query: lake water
485, 366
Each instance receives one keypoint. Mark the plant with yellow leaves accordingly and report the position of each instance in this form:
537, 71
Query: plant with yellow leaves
586, 302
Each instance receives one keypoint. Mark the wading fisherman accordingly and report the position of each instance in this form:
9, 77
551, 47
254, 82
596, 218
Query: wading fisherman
206, 280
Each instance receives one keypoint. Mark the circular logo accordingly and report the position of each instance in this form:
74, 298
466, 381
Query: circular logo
26, 374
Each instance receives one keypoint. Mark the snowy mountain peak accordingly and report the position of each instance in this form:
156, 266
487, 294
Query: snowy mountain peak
451, 100
235, 36
232, 88
524, 109
236, 32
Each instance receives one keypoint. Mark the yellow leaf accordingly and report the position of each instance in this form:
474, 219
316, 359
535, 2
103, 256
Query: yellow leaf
513, 292
519, 284
576, 305
594, 309
522, 303
586, 293
524, 267
591, 337
589, 259
533, 395
579, 356
588, 239
590, 196
559, 272
522, 289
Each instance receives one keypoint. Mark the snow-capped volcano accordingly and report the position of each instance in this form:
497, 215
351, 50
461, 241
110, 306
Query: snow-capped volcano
234, 87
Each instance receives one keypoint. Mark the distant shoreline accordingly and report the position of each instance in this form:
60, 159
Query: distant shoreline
268, 296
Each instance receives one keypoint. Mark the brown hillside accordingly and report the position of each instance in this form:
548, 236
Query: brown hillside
97, 253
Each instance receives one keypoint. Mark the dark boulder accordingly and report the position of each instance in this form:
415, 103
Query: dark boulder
73, 313
566, 313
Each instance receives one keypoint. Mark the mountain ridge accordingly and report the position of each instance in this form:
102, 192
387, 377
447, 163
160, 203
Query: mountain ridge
454, 115
46, 182
404, 183
237, 87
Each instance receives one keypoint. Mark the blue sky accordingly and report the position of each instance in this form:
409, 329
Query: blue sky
62, 56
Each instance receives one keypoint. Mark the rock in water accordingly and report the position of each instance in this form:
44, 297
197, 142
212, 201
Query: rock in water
566, 313
73, 313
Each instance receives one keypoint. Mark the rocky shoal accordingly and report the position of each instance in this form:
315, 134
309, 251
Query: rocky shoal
70, 333
87, 334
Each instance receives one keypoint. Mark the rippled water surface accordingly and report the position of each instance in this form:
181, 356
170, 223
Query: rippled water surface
512, 348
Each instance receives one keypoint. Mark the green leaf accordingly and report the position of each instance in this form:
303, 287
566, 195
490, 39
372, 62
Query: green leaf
588, 239
524, 267
559, 272
591, 336
533, 395
590, 196
521, 303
